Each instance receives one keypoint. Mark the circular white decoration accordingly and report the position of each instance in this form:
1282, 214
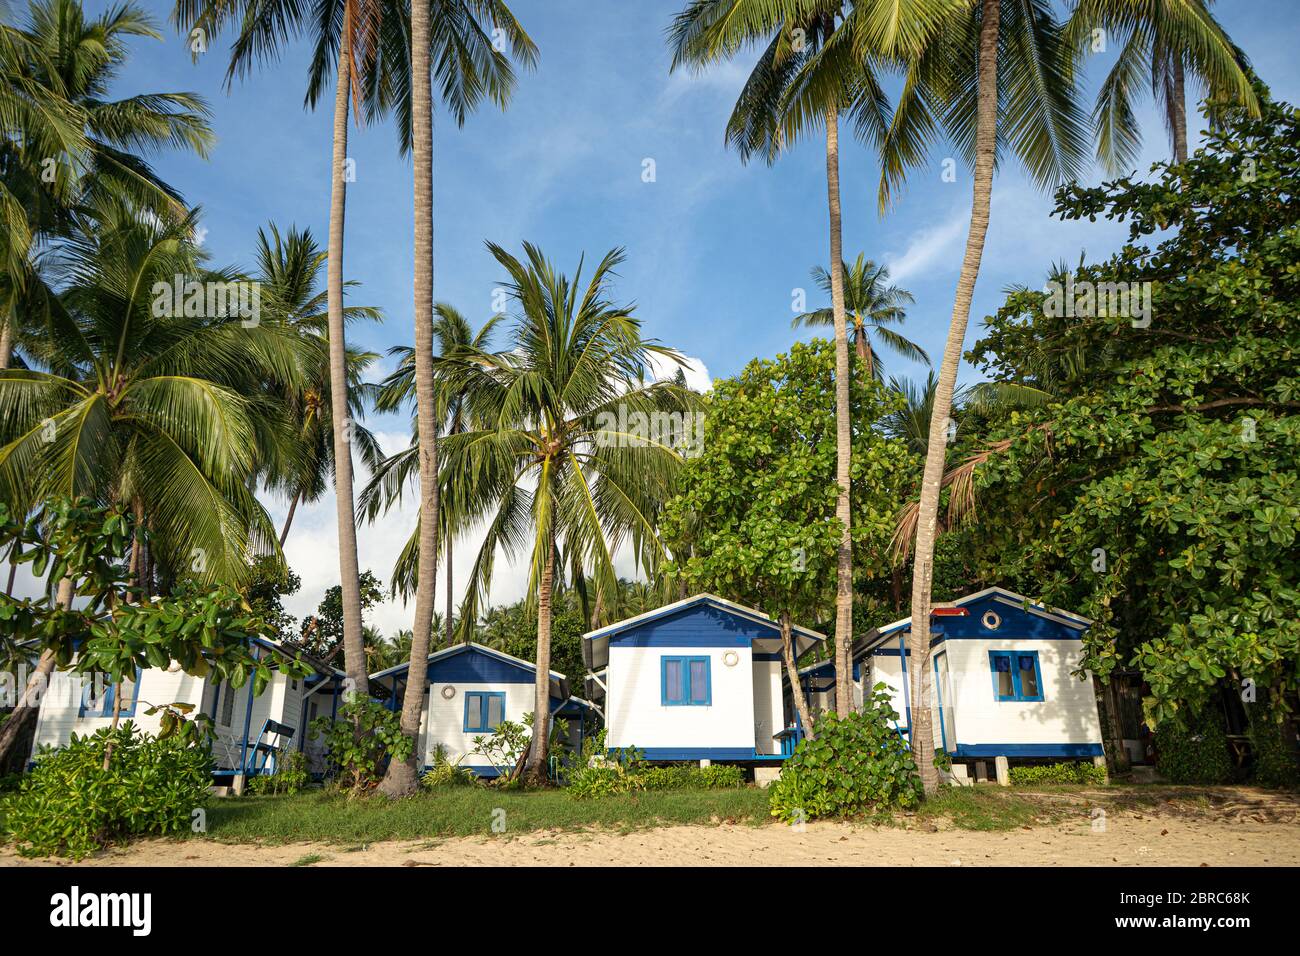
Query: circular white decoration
991, 620
448, 692
731, 658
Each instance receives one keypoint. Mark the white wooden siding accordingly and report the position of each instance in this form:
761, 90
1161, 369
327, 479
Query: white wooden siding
444, 720
637, 717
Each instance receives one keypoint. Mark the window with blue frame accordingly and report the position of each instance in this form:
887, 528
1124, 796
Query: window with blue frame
484, 711
102, 706
685, 682
1016, 675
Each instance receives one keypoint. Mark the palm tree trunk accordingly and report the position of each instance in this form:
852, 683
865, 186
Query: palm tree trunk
13, 573
6, 345
288, 519
403, 778
354, 652
447, 628
843, 429
37, 684
1176, 104
792, 672
918, 640
535, 769
864, 352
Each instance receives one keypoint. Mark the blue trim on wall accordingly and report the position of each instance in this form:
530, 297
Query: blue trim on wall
705, 753
1028, 750
938, 691
907, 690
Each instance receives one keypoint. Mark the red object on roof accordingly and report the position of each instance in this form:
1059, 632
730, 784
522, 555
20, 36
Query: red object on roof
948, 612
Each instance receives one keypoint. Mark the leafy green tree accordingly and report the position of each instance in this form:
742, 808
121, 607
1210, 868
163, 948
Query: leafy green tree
1158, 493
322, 632
759, 503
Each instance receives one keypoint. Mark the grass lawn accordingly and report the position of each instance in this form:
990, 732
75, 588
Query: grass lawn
469, 811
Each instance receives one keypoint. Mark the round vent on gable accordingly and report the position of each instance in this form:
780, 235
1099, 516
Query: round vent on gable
731, 658
448, 692
991, 620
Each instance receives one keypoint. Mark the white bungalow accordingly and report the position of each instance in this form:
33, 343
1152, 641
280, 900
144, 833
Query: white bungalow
468, 691
699, 679
1004, 678
249, 731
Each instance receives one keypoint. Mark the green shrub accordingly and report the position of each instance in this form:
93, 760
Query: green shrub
444, 773
1069, 772
69, 805
291, 776
854, 764
1275, 760
365, 735
1195, 750
611, 777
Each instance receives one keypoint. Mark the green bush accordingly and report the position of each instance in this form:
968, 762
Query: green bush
291, 776
69, 805
365, 735
614, 777
444, 773
1275, 762
1069, 772
854, 764
1195, 750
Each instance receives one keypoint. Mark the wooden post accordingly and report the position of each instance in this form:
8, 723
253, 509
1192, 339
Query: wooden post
1003, 770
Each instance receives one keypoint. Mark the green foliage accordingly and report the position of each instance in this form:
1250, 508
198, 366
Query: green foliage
1195, 748
503, 747
322, 634
291, 775
365, 735
1275, 764
444, 773
1174, 446
855, 764
614, 777
1066, 772
755, 517
69, 805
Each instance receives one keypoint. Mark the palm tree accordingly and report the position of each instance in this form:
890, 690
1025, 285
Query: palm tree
448, 36
360, 47
58, 71
998, 73
143, 404
549, 470
289, 270
811, 69
872, 305
456, 340
1161, 42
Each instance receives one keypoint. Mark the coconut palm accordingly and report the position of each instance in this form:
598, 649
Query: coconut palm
140, 402
872, 305
996, 75
359, 50
59, 68
818, 60
1164, 43
288, 269
456, 339
546, 465
449, 37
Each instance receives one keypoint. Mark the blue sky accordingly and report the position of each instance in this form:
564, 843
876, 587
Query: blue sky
714, 248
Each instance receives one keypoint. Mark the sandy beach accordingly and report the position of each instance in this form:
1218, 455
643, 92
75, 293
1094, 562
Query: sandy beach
1127, 840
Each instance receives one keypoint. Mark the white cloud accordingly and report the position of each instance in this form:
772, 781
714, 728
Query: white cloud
928, 247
